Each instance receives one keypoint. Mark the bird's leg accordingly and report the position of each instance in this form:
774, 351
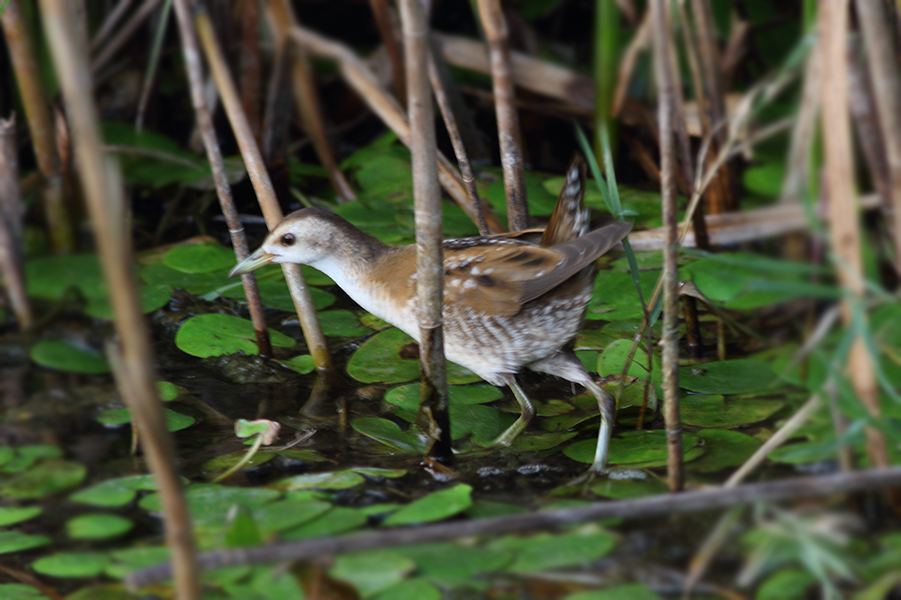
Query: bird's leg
528, 411
607, 408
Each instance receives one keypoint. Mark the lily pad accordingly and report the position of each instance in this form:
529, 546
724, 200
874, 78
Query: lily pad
547, 551
724, 449
739, 376
713, 411
115, 492
631, 591
68, 356
288, 513
613, 359
51, 276
175, 421
392, 356
332, 480
406, 397
199, 258
410, 589
615, 297
624, 489
50, 476
640, 448
371, 572
274, 294
433, 507
20, 591
72, 564
389, 433
97, 526
342, 323
10, 515
453, 564
217, 334
27, 455
16, 541
339, 519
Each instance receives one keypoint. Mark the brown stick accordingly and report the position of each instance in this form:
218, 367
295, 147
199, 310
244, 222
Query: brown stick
662, 504
670, 333
281, 19
115, 44
363, 81
250, 65
194, 70
877, 36
11, 213
262, 185
40, 126
383, 20
844, 223
429, 255
508, 133
102, 182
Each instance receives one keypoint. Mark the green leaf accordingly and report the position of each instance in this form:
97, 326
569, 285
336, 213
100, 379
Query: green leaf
50, 476
765, 179
15, 541
410, 589
547, 551
338, 520
10, 515
615, 298
625, 489
167, 391
724, 449
216, 334
302, 364
97, 526
631, 591
20, 591
740, 376
451, 564
371, 572
389, 433
25, 456
288, 513
640, 448
433, 507
713, 411
51, 276
613, 359
175, 421
393, 357
114, 492
68, 356
199, 258
331, 480
72, 564
342, 323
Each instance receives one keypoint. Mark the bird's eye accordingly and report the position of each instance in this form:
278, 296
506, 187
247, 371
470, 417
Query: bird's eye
288, 239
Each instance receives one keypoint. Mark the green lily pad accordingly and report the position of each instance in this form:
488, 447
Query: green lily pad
69, 356
10, 515
433, 507
625, 489
216, 334
410, 589
724, 449
740, 376
209, 503
158, 274
529, 441
342, 323
631, 591
713, 411
288, 513
393, 357
16, 541
302, 364
25, 456
175, 421
452, 564
98, 526
546, 551
640, 448
765, 179
223, 462
199, 258
339, 519
20, 591
406, 397
613, 359
49, 277
168, 391
371, 572
6, 455
274, 294
615, 297
49, 476
131, 559
115, 492
389, 433
332, 480
72, 564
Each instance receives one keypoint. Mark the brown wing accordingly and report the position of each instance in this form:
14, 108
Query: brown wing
497, 276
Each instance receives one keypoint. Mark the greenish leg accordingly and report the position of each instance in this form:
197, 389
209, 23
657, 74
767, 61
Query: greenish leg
528, 411
607, 407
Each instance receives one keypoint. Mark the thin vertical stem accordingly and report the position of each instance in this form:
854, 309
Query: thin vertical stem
670, 333
382, 13
102, 182
12, 210
606, 60
508, 133
429, 256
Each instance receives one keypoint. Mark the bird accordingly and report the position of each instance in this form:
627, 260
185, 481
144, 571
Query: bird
511, 300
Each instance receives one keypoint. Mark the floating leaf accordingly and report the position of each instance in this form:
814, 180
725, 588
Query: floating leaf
50, 476
393, 357
389, 433
410, 589
72, 564
6, 455
175, 421
68, 356
274, 294
10, 515
613, 359
338, 520
724, 449
625, 489
739, 376
131, 559
434, 507
454, 564
713, 411
51, 276
97, 526
20, 591
199, 258
302, 364
114, 492
638, 448
632, 591
615, 297
216, 334
25, 456
371, 572
342, 323
765, 179
16, 541
288, 513
332, 480
167, 391
547, 551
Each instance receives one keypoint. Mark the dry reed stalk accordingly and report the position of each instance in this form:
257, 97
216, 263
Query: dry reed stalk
259, 178
444, 96
112, 47
429, 232
508, 133
110, 21
384, 20
11, 213
843, 218
877, 35
670, 278
40, 126
250, 65
194, 70
361, 78
281, 19
102, 182
640, 42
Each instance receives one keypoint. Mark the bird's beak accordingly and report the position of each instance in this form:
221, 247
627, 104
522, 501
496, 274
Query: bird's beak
254, 261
